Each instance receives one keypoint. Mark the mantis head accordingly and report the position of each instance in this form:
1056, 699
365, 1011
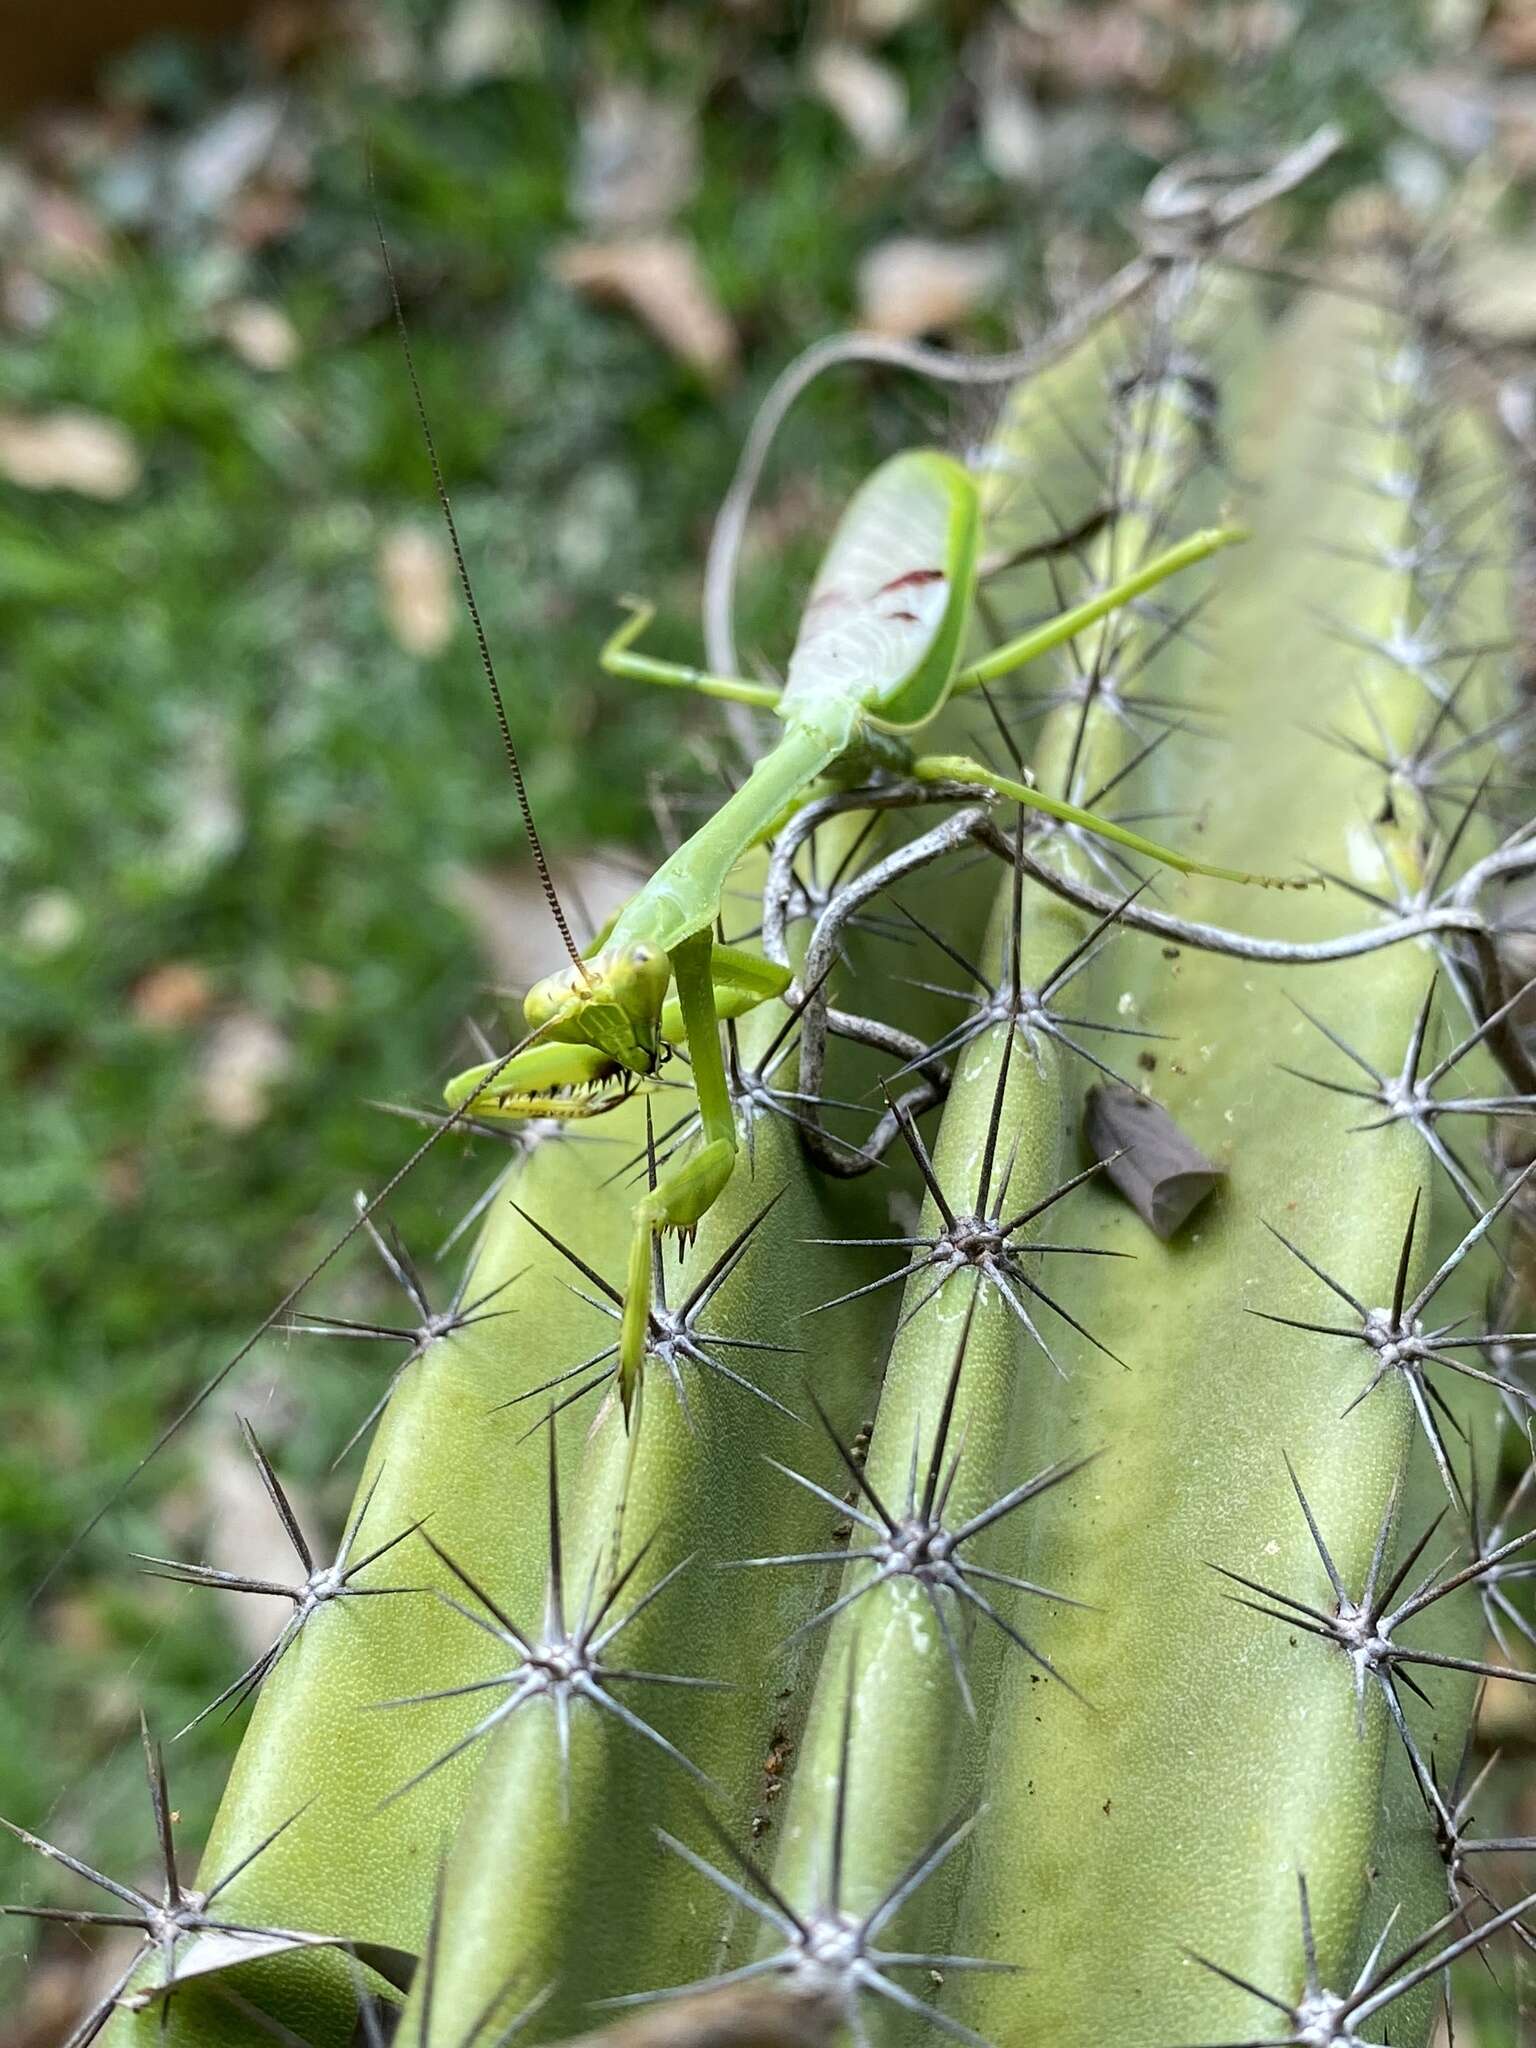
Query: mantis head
612, 1001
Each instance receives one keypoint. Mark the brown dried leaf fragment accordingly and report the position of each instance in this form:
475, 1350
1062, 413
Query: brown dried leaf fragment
1162, 1174
910, 286
68, 450
661, 281
416, 583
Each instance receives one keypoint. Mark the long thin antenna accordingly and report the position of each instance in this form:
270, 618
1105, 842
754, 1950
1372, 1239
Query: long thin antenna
536, 847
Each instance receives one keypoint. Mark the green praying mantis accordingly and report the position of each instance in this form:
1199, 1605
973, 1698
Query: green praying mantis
878, 655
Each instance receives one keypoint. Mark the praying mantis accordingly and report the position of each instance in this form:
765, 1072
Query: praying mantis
878, 654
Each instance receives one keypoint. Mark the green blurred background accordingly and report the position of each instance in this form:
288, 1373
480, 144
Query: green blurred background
259, 849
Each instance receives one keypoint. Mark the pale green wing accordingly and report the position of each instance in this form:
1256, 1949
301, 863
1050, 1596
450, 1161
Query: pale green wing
881, 630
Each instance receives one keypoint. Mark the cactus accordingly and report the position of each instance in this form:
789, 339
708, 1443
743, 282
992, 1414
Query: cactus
991, 1625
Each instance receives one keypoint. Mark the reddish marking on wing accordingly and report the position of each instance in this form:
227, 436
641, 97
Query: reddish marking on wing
906, 618
912, 578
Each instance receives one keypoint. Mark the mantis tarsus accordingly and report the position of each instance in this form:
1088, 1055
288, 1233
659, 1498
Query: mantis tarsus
878, 655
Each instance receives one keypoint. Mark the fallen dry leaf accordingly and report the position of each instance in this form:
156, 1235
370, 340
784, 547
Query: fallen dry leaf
1106, 49
910, 286
65, 236
660, 279
877, 18
416, 583
226, 151
380, 45
68, 450
1496, 290
244, 1059
121, 1180
867, 96
1454, 109
1511, 33
171, 996
207, 820
491, 39
317, 988
261, 334
50, 921
1515, 127
1247, 30
637, 160
1009, 131
262, 213
27, 302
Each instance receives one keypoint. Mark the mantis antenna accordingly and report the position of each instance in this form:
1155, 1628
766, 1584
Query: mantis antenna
535, 844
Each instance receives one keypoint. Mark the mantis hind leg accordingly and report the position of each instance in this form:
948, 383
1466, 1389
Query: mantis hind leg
960, 768
1014, 654
687, 1191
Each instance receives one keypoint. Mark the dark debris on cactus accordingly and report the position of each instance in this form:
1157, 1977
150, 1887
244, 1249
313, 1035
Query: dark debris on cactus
566, 1662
